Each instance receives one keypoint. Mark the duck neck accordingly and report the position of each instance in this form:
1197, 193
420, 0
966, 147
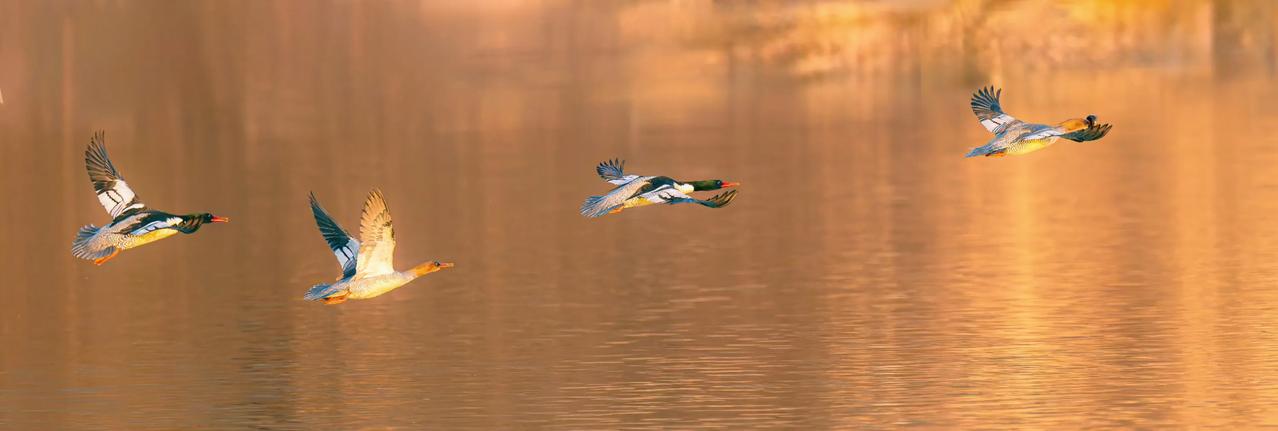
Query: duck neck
702, 186
190, 223
1073, 125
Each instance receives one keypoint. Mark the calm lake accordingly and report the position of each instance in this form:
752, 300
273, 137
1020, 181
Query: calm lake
866, 276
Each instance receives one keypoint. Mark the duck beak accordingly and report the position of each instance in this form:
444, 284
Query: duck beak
727, 184
445, 264
217, 219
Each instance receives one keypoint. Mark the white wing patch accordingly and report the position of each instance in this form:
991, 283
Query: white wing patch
998, 124
156, 225
1049, 132
660, 194
119, 198
346, 256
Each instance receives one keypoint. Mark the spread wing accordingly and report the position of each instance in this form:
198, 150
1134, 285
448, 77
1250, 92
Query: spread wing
596, 206
1096, 131
987, 109
613, 171
344, 246
673, 197
114, 194
376, 237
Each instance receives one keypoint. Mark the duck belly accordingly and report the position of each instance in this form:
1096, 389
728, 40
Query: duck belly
131, 241
638, 201
372, 287
1026, 147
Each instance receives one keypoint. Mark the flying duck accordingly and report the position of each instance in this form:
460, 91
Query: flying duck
636, 191
1012, 136
132, 223
367, 270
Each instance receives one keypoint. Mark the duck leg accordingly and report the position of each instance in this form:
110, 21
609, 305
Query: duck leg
336, 299
102, 260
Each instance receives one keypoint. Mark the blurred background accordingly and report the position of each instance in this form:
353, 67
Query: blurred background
866, 276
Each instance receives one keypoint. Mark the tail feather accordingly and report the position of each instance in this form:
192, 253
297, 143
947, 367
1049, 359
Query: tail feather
82, 247
595, 206
321, 291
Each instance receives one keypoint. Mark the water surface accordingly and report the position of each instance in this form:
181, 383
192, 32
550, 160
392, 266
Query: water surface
867, 275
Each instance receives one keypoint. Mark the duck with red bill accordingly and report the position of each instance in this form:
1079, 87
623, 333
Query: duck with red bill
637, 190
132, 223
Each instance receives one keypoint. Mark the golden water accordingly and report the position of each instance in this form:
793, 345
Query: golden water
866, 276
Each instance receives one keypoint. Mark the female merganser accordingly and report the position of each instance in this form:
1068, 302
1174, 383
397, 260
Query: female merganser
367, 270
1012, 136
636, 191
132, 224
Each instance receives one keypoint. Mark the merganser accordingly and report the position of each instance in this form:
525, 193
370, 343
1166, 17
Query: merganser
636, 191
367, 270
1012, 136
132, 223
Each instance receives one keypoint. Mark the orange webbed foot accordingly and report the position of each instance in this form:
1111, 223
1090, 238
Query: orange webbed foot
333, 300
101, 260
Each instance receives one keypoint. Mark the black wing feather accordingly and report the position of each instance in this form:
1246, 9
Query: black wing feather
1089, 134
337, 238
985, 103
611, 169
718, 201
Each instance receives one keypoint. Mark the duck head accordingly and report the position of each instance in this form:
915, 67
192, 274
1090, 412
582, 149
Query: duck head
711, 185
429, 267
192, 222
1076, 124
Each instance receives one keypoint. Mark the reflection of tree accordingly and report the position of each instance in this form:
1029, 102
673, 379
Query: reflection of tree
815, 39
1242, 35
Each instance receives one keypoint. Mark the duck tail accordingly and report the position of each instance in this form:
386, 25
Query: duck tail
595, 206
82, 248
319, 291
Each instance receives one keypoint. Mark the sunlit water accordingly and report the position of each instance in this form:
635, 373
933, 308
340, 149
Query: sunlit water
866, 276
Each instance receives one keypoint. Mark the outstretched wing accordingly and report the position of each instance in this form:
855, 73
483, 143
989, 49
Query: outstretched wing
1096, 131
344, 246
987, 109
672, 197
596, 206
376, 237
114, 194
613, 171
